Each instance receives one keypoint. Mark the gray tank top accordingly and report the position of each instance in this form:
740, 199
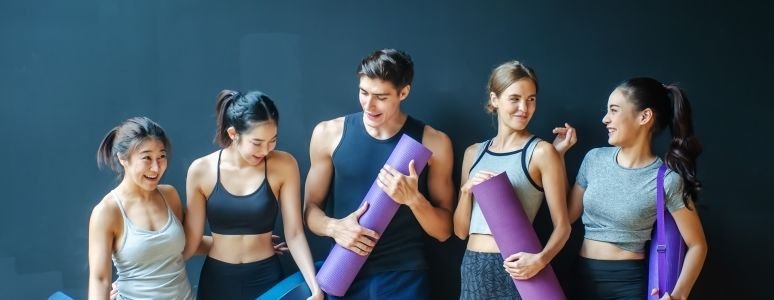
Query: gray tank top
150, 264
515, 164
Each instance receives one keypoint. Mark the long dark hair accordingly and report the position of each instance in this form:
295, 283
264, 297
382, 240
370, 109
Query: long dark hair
671, 110
239, 110
120, 141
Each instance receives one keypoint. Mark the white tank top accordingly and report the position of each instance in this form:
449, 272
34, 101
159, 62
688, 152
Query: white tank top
516, 165
150, 264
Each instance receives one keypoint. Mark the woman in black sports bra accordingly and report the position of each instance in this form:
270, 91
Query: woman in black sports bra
240, 189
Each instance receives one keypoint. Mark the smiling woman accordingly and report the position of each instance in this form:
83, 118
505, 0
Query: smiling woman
240, 194
138, 222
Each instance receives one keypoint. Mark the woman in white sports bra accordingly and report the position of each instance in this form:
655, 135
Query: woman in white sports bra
137, 223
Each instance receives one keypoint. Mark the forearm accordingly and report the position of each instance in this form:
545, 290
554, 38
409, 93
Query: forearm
318, 222
694, 261
299, 249
436, 221
204, 246
462, 215
99, 287
555, 242
192, 246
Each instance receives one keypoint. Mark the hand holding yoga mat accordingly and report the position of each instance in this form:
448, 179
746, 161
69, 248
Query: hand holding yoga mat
342, 265
513, 233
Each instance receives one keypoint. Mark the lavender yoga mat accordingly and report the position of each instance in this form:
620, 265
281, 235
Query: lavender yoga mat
513, 233
667, 248
342, 265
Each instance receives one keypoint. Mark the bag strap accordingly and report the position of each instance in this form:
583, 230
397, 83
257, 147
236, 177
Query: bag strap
661, 246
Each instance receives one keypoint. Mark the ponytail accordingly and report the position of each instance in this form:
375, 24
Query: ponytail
684, 147
241, 111
105, 155
123, 139
223, 120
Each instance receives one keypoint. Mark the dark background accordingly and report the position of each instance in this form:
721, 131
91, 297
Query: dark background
71, 70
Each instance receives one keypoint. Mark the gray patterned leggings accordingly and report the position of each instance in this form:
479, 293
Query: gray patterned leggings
483, 277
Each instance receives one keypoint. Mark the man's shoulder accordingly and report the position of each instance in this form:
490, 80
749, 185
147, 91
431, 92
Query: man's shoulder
329, 127
433, 135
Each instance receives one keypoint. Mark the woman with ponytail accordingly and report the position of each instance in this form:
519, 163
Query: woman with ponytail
615, 192
240, 189
138, 222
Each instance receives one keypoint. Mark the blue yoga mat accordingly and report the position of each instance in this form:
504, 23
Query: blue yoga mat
291, 288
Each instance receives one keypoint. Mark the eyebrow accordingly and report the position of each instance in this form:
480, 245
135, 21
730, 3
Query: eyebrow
260, 140
378, 94
519, 95
614, 105
149, 151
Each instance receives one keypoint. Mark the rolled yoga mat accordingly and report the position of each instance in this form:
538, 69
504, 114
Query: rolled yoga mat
342, 265
292, 287
513, 233
667, 248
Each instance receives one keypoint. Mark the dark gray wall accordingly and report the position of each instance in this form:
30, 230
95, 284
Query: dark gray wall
70, 70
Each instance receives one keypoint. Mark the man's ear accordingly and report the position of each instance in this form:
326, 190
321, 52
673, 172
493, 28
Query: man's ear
404, 92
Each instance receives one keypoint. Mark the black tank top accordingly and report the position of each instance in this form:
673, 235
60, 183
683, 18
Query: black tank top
237, 215
357, 161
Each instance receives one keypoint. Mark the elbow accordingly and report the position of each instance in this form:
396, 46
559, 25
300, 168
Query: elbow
293, 232
700, 248
443, 236
460, 231
191, 245
446, 232
564, 229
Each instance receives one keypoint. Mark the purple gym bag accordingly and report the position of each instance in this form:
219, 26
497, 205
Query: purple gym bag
667, 248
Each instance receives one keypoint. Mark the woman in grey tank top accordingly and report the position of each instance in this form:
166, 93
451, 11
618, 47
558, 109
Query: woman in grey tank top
138, 223
615, 192
535, 169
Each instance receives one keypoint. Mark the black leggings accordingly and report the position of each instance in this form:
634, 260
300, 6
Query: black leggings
613, 279
222, 280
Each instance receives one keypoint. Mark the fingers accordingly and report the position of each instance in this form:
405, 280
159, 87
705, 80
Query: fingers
369, 233
411, 168
514, 257
362, 247
360, 210
482, 176
354, 226
281, 246
559, 130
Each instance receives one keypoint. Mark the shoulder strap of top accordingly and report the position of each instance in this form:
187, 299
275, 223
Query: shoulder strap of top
118, 201
481, 150
524, 167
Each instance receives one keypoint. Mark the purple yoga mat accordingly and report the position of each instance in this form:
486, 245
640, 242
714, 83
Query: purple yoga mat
667, 248
513, 233
342, 265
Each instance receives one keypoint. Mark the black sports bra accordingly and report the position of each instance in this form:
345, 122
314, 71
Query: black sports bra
255, 213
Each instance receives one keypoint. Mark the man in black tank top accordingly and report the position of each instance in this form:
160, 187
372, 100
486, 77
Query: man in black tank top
349, 152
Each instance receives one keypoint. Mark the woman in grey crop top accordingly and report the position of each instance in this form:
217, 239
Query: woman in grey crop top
240, 189
616, 192
138, 223
534, 168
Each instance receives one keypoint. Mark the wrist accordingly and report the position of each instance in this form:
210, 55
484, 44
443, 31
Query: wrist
330, 227
464, 191
543, 259
416, 201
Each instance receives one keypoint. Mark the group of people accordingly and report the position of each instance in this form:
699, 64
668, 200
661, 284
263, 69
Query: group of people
239, 189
